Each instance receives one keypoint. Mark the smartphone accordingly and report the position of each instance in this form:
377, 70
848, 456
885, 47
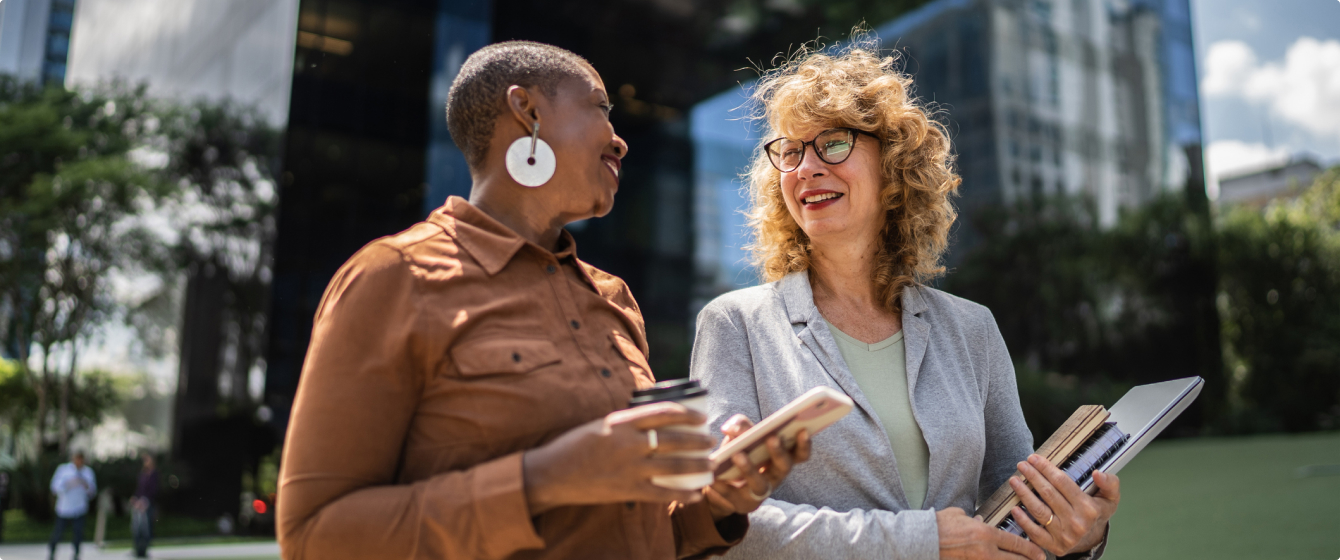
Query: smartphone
815, 410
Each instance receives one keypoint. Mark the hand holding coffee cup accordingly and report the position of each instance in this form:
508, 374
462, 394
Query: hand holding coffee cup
692, 396
609, 460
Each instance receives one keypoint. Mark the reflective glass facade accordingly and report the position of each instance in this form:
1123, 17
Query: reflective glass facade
1041, 97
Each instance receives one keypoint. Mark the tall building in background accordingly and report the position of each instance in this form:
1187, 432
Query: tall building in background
239, 50
1042, 97
186, 49
368, 153
35, 39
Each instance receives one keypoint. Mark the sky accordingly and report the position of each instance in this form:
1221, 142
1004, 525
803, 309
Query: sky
1269, 81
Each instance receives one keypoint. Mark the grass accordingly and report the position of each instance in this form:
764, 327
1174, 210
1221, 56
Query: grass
1230, 498
1221, 498
170, 528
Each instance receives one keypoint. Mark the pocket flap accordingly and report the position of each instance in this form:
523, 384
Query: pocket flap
503, 355
630, 351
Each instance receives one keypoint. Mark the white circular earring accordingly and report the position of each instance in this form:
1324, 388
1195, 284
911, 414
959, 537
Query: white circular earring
530, 161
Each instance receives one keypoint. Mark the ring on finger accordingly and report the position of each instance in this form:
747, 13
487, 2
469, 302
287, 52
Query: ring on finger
1049, 520
758, 498
652, 441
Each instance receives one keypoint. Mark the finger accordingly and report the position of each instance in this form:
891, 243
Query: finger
1017, 545
737, 425
780, 464
715, 496
752, 478
1059, 479
1043, 486
658, 494
1039, 510
670, 441
656, 415
1109, 487
661, 464
801, 453
1036, 532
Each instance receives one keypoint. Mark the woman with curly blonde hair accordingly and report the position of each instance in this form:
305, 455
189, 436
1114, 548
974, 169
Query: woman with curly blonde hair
851, 211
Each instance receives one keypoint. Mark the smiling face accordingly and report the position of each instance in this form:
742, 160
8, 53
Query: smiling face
575, 123
828, 200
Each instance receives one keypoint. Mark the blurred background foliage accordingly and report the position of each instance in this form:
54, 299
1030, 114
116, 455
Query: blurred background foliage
1088, 312
105, 186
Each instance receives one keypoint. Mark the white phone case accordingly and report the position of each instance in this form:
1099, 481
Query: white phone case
815, 410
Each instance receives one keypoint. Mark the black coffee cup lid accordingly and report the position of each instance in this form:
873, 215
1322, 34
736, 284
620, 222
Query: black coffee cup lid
672, 390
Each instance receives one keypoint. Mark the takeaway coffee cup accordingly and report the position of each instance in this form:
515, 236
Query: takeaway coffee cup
693, 396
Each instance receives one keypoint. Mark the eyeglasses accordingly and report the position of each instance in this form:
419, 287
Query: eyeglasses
833, 146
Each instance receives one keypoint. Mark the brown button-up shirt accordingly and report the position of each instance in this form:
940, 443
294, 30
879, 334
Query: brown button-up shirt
439, 355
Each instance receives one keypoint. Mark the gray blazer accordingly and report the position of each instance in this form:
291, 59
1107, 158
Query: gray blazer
759, 348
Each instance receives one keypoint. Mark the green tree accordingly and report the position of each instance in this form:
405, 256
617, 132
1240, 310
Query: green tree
68, 195
1281, 308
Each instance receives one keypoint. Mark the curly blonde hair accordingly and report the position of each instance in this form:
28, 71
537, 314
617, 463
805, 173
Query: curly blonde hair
856, 87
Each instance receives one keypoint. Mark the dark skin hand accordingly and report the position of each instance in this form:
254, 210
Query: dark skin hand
729, 497
608, 460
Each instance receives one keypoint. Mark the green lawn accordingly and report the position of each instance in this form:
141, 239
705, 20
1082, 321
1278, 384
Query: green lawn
20, 529
1230, 498
1220, 498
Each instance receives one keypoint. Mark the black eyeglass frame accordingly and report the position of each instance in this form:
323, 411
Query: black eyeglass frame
855, 133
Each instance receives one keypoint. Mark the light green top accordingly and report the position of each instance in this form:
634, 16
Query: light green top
880, 370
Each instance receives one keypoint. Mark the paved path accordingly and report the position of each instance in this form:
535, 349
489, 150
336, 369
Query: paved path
239, 551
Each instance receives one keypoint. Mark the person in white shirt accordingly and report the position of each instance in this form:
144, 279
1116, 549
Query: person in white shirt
74, 485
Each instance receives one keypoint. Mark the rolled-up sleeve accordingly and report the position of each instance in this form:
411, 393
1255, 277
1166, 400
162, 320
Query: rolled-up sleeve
360, 385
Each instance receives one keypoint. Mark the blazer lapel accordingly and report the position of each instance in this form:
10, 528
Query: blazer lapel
814, 335
916, 334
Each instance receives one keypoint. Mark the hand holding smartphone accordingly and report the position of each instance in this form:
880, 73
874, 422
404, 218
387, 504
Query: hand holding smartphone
815, 410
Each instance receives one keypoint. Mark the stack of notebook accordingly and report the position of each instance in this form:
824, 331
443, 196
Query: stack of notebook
1096, 439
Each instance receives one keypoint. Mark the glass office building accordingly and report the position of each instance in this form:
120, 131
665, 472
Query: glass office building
35, 39
1042, 97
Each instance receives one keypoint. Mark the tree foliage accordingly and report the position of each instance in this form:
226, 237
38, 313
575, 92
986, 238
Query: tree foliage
1281, 309
1087, 309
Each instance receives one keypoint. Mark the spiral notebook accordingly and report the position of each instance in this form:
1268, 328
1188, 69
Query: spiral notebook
1095, 438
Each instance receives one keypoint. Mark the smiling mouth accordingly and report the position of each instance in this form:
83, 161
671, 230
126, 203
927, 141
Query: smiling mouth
613, 167
815, 199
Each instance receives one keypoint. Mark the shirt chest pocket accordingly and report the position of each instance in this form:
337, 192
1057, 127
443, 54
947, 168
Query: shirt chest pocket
503, 356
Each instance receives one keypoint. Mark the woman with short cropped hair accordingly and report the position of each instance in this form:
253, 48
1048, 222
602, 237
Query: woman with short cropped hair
466, 391
851, 213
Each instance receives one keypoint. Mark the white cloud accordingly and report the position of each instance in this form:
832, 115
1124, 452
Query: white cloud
1226, 157
1304, 90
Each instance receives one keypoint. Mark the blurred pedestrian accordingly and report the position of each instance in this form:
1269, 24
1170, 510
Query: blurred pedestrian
74, 485
142, 506
4, 502
465, 394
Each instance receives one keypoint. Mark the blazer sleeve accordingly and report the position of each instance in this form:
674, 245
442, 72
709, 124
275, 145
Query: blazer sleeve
1008, 439
338, 496
778, 530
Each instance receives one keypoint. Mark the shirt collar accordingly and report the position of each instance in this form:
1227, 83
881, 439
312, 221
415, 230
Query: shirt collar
491, 243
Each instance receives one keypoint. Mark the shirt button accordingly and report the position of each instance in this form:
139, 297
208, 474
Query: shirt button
605, 372
551, 269
575, 324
